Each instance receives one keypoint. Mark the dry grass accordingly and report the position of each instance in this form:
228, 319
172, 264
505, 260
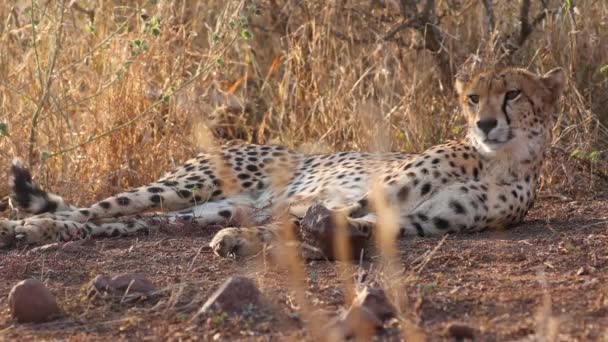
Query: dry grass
103, 95
99, 96
315, 75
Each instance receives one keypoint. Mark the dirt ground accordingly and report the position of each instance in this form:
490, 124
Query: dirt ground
546, 276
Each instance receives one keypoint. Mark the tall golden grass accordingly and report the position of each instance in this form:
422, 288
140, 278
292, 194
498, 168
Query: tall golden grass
102, 95
99, 96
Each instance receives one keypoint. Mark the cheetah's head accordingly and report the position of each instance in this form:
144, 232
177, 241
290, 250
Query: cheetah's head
510, 109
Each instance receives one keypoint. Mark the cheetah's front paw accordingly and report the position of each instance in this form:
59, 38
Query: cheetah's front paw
237, 242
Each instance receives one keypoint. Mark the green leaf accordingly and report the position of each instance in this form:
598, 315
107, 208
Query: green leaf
220, 62
3, 129
232, 24
215, 37
246, 34
89, 27
153, 2
140, 44
155, 26
244, 21
567, 4
594, 156
576, 154
44, 155
166, 98
253, 9
604, 68
426, 287
456, 130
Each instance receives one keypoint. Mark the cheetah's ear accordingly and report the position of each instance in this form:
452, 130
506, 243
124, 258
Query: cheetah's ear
459, 86
555, 81
461, 79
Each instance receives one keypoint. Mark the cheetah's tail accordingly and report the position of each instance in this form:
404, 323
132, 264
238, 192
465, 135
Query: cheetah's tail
27, 196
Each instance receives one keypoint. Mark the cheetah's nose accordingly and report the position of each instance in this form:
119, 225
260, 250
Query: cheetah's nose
487, 125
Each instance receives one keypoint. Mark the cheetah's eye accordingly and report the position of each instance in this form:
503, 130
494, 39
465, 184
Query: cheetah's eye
512, 95
474, 99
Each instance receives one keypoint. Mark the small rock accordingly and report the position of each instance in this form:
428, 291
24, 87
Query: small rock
233, 296
31, 301
318, 229
100, 283
375, 300
460, 331
582, 271
368, 312
137, 285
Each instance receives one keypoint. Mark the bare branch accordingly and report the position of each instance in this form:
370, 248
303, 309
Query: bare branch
428, 11
490, 20
426, 23
539, 18
526, 27
89, 12
398, 28
15, 17
352, 39
524, 22
46, 80
409, 9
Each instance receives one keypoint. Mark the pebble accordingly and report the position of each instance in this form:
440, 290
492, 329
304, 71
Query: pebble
368, 312
137, 284
460, 331
233, 296
31, 301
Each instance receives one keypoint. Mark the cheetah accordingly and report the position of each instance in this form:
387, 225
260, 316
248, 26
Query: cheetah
485, 181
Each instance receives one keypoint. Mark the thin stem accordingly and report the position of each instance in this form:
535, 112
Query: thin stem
48, 79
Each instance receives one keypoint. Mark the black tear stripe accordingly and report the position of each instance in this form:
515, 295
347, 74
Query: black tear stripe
504, 110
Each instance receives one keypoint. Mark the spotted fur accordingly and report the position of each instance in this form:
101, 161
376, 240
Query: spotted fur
486, 181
